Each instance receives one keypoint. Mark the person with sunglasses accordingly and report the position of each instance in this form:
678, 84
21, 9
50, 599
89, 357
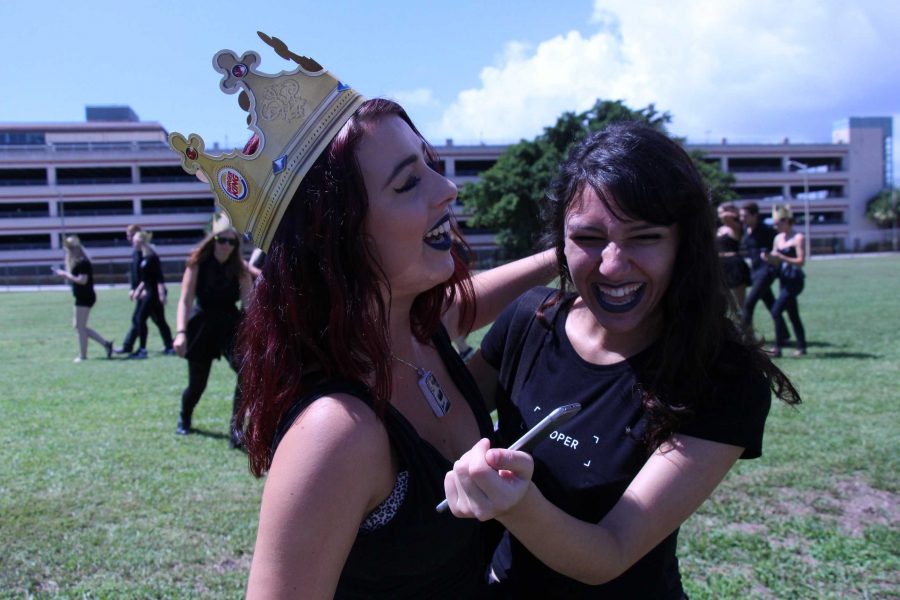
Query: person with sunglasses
216, 277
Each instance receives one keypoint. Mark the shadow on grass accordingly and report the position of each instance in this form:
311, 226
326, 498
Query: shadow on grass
859, 355
840, 353
210, 434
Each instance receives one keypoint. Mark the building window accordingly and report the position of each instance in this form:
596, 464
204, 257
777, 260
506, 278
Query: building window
24, 210
25, 242
172, 237
103, 239
473, 168
96, 208
178, 205
166, 175
818, 192
93, 176
755, 165
23, 177
22, 138
818, 164
758, 192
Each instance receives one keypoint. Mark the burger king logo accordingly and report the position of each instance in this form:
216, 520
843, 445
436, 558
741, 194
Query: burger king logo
233, 184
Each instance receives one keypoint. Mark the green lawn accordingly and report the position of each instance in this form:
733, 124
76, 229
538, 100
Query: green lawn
99, 498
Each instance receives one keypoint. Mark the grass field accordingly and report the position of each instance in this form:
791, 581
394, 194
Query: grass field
99, 498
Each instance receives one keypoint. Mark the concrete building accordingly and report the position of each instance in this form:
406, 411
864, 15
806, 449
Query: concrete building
96, 177
93, 179
837, 179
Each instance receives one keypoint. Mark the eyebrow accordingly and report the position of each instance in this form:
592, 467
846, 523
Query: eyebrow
629, 228
403, 164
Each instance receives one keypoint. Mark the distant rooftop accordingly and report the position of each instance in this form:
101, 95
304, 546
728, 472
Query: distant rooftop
106, 114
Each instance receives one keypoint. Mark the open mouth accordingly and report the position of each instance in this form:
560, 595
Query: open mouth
619, 298
438, 237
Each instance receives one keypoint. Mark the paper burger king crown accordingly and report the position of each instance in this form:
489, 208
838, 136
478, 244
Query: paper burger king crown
294, 115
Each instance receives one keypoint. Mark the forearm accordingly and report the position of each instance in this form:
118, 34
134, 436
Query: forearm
496, 288
586, 552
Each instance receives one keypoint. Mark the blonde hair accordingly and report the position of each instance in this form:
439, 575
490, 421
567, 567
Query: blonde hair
782, 213
144, 238
74, 251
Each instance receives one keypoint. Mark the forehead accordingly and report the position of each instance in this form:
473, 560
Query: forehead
588, 209
384, 143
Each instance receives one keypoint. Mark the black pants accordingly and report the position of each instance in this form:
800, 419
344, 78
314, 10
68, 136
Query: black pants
787, 301
148, 307
198, 376
760, 289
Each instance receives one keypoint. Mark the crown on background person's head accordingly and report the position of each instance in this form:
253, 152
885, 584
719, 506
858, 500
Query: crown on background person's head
294, 114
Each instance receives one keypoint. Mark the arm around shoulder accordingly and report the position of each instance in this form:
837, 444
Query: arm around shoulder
332, 467
497, 287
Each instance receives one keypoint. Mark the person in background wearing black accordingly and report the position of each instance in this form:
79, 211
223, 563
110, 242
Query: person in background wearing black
80, 274
150, 294
728, 244
128, 343
758, 238
788, 256
217, 278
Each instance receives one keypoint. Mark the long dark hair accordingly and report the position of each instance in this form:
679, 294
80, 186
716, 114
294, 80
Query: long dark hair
234, 266
318, 304
642, 174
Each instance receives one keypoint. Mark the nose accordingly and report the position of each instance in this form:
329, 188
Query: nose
614, 261
445, 190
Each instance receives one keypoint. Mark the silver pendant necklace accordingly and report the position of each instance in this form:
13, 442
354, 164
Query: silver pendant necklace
430, 388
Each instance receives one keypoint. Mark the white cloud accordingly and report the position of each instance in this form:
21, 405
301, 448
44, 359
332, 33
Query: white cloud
417, 97
754, 70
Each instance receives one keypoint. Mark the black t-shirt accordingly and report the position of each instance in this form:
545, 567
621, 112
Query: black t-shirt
84, 294
585, 466
756, 241
150, 272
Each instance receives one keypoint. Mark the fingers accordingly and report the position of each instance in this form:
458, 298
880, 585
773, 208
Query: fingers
486, 483
510, 463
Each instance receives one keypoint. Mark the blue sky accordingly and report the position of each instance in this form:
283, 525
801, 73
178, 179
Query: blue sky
488, 70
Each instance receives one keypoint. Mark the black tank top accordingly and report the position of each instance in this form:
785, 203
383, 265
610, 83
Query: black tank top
726, 243
419, 553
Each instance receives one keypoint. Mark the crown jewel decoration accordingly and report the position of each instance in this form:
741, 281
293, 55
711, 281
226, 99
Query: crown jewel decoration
294, 115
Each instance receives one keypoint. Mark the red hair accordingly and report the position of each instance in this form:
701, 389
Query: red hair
317, 312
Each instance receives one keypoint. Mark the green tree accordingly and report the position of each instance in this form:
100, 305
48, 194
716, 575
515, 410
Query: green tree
884, 208
506, 197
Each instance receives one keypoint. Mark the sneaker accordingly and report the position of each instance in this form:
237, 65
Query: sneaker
78, 359
182, 428
169, 352
141, 353
122, 350
109, 349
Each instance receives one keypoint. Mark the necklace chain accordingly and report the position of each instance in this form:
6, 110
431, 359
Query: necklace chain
406, 362
430, 389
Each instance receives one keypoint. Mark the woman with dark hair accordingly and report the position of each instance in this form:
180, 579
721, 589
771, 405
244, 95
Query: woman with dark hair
728, 243
355, 402
80, 274
788, 255
671, 393
217, 278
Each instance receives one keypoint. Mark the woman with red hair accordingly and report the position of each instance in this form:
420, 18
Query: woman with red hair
355, 402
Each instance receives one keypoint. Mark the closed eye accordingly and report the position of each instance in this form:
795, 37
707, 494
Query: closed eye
409, 184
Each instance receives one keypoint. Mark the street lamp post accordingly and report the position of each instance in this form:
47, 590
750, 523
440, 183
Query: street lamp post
805, 168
